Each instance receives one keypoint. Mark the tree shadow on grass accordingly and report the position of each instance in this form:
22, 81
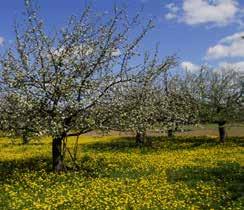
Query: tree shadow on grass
239, 141
88, 166
95, 167
8, 169
126, 144
229, 175
122, 144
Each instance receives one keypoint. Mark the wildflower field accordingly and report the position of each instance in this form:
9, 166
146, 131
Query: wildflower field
181, 173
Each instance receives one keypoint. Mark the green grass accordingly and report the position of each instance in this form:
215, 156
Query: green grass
181, 173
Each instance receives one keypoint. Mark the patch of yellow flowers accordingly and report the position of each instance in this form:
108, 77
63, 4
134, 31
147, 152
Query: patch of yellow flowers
189, 178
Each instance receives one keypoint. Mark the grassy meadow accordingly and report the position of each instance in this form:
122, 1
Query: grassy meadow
185, 172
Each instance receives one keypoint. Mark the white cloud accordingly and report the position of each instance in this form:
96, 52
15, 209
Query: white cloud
230, 46
232, 38
237, 66
170, 16
220, 67
219, 12
1, 40
189, 66
173, 9
194, 12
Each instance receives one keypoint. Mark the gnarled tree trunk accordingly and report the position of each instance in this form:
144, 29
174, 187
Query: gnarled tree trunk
222, 131
57, 155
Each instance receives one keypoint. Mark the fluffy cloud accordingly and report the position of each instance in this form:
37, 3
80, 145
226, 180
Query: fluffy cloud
221, 66
172, 7
201, 11
1, 40
170, 16
193, 12
173, 10
189, 66
230, 46
238, 66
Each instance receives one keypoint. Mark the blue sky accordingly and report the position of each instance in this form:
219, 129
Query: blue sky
197, 31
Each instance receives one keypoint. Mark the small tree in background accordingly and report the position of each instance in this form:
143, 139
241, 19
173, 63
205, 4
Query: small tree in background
181, 108
147, 105
143, 100
219, 94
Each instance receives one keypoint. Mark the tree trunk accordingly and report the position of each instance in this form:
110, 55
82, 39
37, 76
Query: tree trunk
25, 139
222, 132
176, 129
170, 133
140, 138
57, 154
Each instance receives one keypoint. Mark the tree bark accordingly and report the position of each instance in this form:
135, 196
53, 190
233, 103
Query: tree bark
57, 154
25, 139
176, 128
140, 138
170, 133
222, 132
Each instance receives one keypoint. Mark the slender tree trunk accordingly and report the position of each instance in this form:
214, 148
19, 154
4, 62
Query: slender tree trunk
57, 154
140, 138
149, 142
176, 127
222, 132
170, 133
25, 139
